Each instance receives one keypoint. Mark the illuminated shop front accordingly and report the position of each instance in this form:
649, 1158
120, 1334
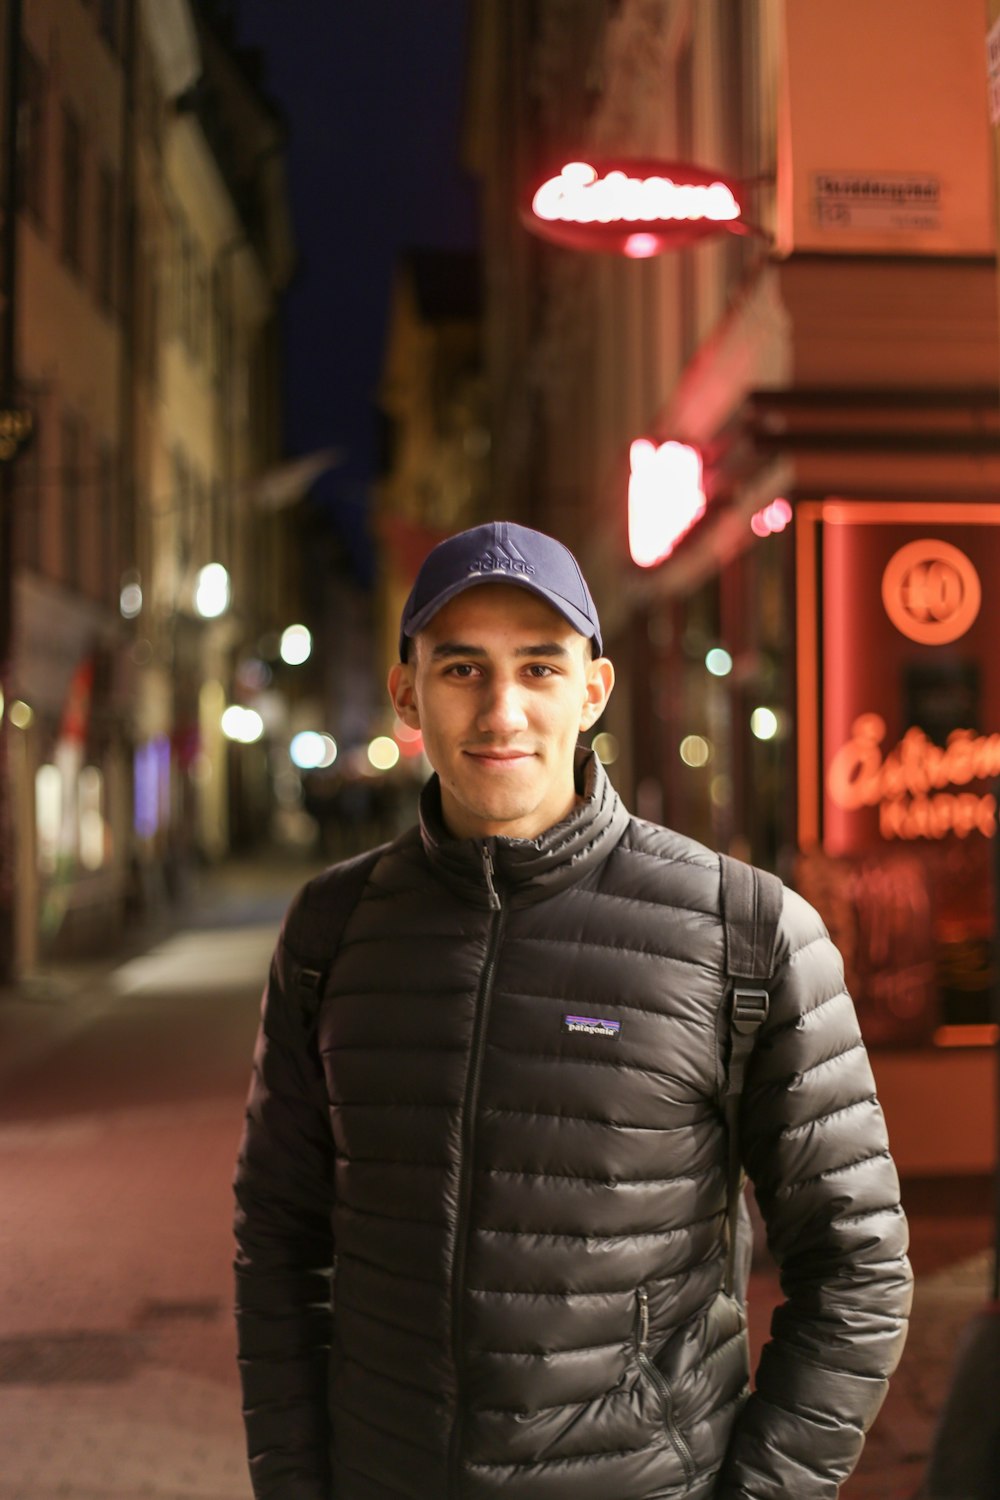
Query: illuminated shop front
899, 755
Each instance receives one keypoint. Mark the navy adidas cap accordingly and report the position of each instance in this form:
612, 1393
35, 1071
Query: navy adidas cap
500, 552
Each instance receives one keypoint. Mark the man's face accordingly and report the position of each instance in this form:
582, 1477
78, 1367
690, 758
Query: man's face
500, 686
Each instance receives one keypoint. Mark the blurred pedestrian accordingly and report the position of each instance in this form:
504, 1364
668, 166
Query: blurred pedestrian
482, 1191
965, 1456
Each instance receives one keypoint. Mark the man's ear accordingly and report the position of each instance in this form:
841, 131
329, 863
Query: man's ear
600, 681
403, 694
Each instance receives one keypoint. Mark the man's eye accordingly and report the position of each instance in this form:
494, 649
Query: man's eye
540, 669
461, 669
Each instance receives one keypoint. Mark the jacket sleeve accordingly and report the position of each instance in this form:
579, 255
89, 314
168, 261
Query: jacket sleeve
814, 1145
284, 1259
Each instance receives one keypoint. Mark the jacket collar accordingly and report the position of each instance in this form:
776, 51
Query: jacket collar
527, 870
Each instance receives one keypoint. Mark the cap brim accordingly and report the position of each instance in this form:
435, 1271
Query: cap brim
573, 616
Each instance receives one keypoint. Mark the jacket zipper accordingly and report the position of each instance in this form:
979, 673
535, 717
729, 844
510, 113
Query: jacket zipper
652, 1374
472, 1082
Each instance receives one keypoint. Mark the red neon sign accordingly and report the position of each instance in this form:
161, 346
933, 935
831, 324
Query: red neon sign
631, 207
665, 498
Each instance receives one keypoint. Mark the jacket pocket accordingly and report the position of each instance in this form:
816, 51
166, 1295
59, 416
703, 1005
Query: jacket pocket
658, 1381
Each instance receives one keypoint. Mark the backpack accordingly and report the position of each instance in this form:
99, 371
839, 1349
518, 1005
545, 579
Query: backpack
751, 909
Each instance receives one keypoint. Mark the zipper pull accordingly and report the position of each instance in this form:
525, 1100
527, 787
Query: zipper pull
642, 1319
488, 873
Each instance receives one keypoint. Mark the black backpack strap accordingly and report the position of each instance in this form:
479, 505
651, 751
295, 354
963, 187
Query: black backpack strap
316, 925
751, 911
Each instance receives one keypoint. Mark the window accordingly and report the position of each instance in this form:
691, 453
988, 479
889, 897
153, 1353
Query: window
201, 518
186, 286
28, 478
108, 571
71, 444
72, 188
108, 23
202, 312
182, 527
105, 269
738, 105
684, 128
146, 301
92, 831
31, 136
220, 326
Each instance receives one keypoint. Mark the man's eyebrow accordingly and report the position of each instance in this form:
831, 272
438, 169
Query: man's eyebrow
545, 648
445, 649
455, 648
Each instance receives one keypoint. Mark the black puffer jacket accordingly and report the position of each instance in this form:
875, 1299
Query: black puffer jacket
524, 1213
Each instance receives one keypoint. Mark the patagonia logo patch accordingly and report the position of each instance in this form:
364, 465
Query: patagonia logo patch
592, 1025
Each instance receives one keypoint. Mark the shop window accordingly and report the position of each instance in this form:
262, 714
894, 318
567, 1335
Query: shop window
48, 816
151, 787
92, 825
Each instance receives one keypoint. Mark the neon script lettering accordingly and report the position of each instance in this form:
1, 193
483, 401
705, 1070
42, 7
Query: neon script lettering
578, 195
909, 784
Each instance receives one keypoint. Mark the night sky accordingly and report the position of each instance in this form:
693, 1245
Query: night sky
372, 91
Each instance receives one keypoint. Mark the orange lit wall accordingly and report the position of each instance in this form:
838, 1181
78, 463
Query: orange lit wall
885, 89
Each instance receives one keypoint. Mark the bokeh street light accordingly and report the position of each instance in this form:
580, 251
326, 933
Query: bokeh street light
211, 595
244, 725
296, 645
312, 751
383, 752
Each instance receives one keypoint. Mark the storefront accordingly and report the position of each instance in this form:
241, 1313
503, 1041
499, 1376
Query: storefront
898, 680
71, 775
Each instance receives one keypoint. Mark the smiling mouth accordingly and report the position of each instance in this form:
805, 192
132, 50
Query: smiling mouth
499, 757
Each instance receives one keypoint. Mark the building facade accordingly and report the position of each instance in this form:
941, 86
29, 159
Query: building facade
804, 679
151, 259
435, 443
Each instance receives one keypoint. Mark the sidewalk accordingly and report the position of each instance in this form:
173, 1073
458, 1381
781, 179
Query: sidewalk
46, 1009
121, 1103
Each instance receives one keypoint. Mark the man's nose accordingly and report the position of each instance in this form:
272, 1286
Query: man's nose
502, 710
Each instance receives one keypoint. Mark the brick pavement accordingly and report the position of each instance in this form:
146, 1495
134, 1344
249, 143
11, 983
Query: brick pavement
116, 1356
119, 1118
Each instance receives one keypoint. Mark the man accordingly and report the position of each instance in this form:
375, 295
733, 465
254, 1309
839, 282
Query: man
482, 1208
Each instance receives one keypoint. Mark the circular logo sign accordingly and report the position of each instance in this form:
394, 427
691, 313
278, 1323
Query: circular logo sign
931, 592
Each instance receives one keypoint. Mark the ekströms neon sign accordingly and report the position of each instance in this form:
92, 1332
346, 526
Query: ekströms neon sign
631, 207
